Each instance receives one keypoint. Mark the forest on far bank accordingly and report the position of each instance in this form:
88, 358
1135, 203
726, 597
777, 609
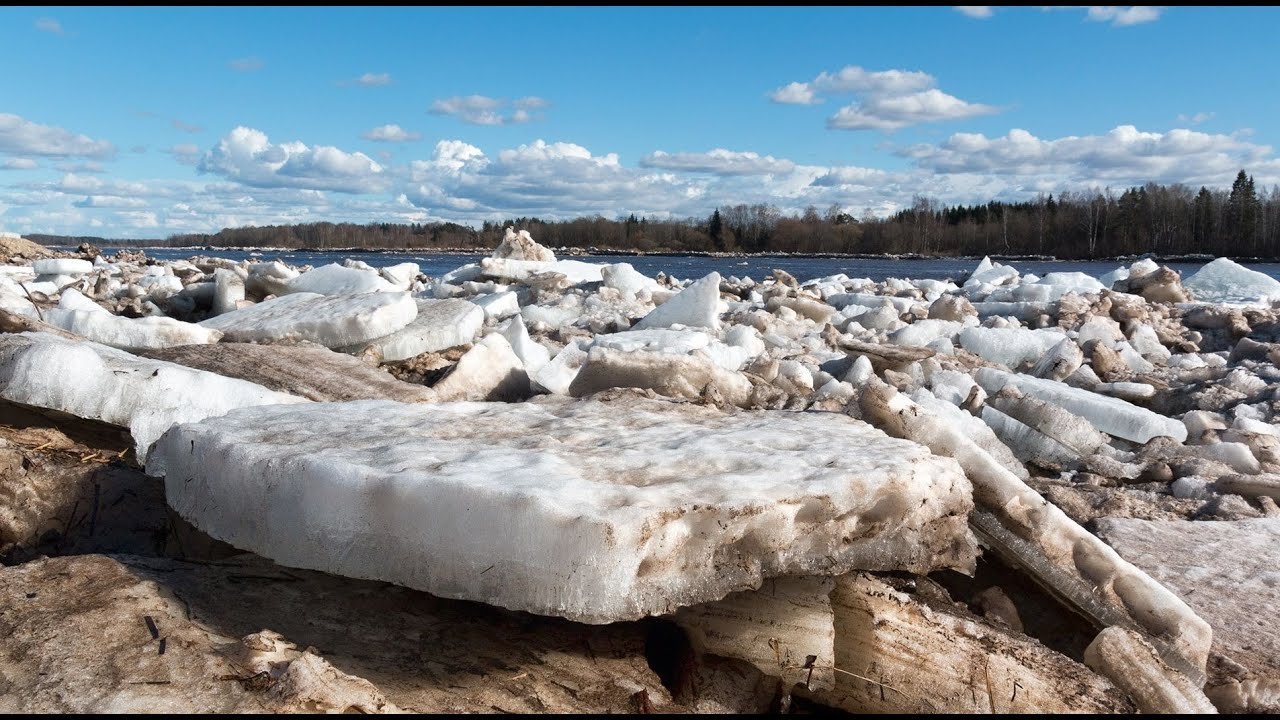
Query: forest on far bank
1152, 218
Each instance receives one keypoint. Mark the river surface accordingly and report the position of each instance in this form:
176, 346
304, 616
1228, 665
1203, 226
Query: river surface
695, 266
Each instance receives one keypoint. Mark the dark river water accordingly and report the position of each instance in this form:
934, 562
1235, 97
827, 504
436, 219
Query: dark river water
694, 266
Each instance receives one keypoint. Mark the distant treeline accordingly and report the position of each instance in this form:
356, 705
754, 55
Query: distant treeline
1158, 219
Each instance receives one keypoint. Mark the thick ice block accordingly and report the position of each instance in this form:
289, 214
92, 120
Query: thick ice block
593, 510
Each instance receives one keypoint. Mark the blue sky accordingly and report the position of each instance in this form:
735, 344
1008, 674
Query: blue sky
134, 122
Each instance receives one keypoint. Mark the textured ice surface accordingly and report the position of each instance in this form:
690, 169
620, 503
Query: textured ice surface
695, 306
923, 332
675, 376
334, 279
307, 370
575, 271
1132, 664
439, 325
1110, 415
1226, 571
521, 246
490, 370
62, 266
626, 280
1010, 347
76, 313
786, 629
595, 511
1225, 281
498, 305
1020, 310
101, 383
228, 291
558, 373
335, 321
533, 355
677, 342
401, 275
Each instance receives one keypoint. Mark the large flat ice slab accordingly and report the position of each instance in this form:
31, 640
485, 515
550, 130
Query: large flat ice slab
332, 321
94, 381
593, 510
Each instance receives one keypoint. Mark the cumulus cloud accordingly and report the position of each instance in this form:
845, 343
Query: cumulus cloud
890, 112
887, 99
718, 162
391, 133
853, 79
553, 180
1123, 155
245, 155
974, 11
19, 164
484, 110
22, 137
1121, 16
186, 126
246, 64
50, 25
795, 93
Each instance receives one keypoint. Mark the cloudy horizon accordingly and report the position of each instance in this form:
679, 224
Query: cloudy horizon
110, 142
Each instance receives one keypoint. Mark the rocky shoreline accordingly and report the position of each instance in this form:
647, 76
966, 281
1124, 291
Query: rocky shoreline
537, 484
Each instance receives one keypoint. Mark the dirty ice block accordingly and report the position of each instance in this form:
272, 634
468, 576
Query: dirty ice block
595, 510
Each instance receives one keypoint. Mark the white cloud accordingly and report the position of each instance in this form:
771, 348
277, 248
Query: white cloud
246, 156
110, 201
22, 137
50, 25
974, 11
853, 79
391, 133
551, 180
186, 126
1121, 16
1124, 155
246, 64
718, 162
795, 93
1195, 119
888, 99
19, 164
880, 112
484, 110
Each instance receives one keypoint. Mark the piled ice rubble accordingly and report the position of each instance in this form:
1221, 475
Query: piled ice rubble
740, 455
